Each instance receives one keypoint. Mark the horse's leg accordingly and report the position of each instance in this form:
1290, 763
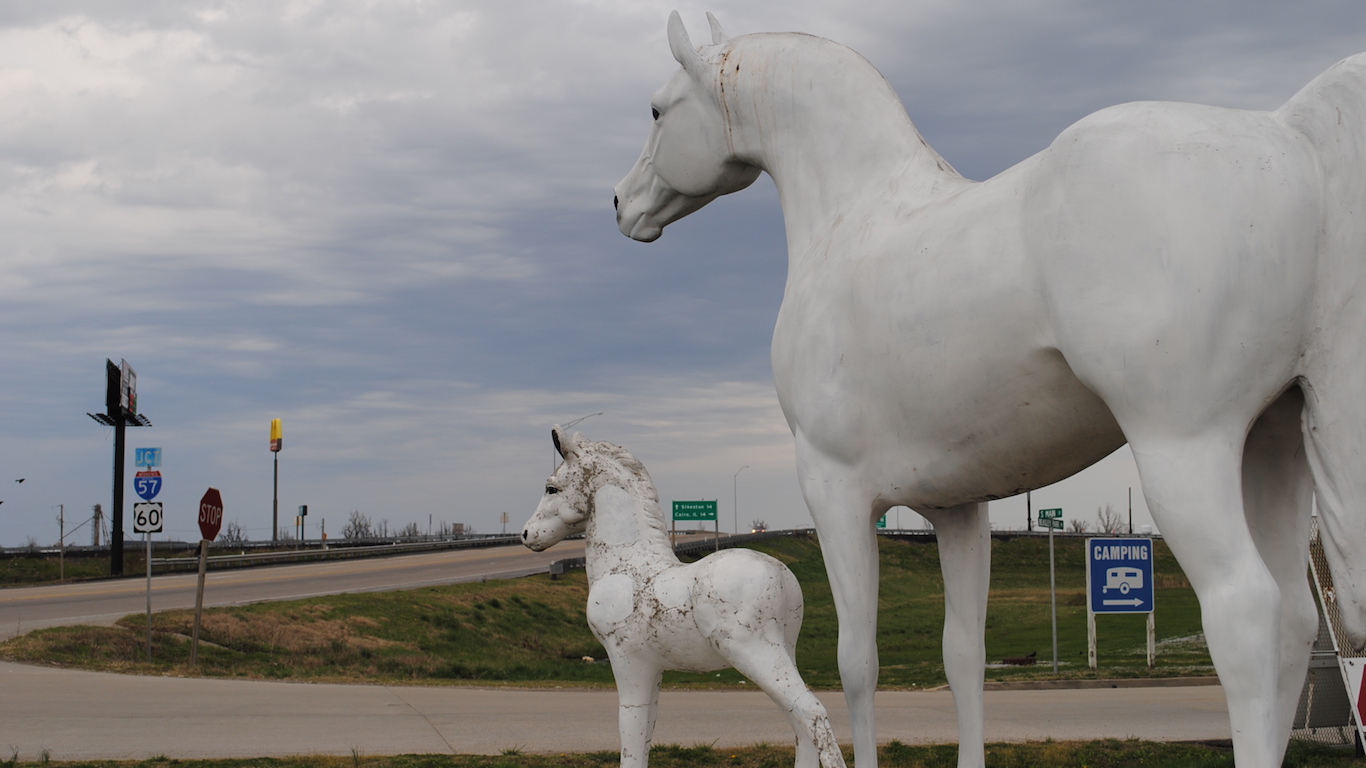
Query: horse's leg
844, 523
964, 534
1193, 485
1277, 495
637, 701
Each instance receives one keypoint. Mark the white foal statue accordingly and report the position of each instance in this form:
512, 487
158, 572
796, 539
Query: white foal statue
736, 608
1180, 277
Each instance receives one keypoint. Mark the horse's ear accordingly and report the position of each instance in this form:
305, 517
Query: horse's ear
681, 46
718, 35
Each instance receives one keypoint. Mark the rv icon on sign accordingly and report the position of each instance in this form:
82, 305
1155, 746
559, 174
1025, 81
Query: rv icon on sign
1123, 579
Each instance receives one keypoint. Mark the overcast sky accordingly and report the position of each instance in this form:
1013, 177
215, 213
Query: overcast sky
389, 224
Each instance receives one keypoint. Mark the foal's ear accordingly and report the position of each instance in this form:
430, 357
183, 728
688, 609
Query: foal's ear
564, 443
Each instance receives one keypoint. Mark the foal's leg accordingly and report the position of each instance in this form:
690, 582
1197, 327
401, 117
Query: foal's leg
964, 534
637, 701
766, 659
1193, 485
1277, 493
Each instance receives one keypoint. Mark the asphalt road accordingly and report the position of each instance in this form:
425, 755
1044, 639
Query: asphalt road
102, 602
71, 715
91, 715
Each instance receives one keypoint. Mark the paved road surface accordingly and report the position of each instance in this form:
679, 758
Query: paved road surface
102, 602
87, 715
92, 715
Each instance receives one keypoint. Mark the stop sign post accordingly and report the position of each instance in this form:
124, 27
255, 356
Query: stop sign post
210, 521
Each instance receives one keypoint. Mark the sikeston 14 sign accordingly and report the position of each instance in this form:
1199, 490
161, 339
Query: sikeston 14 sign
1119, 575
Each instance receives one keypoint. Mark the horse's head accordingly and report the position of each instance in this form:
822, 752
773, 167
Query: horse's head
688, 159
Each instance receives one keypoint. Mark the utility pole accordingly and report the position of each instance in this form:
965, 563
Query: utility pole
735, 497
277, 441
61, 542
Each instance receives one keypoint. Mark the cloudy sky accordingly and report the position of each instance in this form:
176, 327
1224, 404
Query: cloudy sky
389, 224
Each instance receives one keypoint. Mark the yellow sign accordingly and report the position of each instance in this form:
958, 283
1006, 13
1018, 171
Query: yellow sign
277, 435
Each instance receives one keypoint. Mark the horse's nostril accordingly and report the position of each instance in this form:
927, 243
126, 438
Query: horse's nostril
616, 202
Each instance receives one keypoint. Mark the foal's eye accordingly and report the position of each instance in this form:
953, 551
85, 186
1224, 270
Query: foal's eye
654, 112
549, 489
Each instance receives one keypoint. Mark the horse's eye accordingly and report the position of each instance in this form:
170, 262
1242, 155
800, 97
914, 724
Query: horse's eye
549, 489
654, 112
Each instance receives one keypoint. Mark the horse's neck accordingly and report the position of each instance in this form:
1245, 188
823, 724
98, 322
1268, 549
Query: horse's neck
827, 127
621, 530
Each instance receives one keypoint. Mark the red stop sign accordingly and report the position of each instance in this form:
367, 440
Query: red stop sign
210, 514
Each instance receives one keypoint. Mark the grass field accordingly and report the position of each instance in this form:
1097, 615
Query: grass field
1045, 754
532, 630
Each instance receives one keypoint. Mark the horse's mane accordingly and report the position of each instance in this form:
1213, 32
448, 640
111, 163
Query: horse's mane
639, 483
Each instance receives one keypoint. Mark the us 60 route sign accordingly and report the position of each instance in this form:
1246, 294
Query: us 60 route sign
147, 517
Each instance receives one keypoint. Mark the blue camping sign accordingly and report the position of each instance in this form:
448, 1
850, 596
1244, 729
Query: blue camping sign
1119, 575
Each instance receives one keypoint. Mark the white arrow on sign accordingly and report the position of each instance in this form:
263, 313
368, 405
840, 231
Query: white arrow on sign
1135, 602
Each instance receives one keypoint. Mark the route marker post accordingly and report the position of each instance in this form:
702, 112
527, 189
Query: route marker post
210, 520
147, 520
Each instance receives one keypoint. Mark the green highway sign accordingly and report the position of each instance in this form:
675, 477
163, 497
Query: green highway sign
882, 522
1049, 522
695, 510
1045, 513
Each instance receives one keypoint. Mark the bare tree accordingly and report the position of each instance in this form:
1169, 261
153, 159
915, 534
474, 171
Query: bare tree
358, 527
233, 533
409, 531
1108, 520
1077, 525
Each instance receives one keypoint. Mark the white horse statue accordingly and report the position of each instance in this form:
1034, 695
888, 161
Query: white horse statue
1183, 278
736, 608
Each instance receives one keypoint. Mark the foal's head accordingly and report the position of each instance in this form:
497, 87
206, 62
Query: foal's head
568, 501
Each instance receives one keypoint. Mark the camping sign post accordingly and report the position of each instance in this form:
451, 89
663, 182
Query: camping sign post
1119, 579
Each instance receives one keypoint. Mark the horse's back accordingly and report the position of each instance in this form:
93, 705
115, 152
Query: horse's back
1331, 112
1172, 233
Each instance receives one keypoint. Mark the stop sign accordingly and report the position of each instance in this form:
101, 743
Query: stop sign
210, 514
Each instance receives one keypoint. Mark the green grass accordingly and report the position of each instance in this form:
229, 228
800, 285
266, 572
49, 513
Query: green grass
533, 631
1044, 754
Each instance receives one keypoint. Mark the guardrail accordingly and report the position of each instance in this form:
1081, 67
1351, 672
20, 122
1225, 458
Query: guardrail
247, 560
701, 545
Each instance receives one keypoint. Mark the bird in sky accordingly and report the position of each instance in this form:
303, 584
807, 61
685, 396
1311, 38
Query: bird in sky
20, 480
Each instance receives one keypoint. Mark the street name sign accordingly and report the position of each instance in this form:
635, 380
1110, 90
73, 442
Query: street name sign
1119, 575
695, 510
1050, 513
1052, 523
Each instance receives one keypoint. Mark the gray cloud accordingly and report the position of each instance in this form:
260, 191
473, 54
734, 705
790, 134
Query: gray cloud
389, 225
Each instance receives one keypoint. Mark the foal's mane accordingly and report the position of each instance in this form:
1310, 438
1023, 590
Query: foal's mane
638, 482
